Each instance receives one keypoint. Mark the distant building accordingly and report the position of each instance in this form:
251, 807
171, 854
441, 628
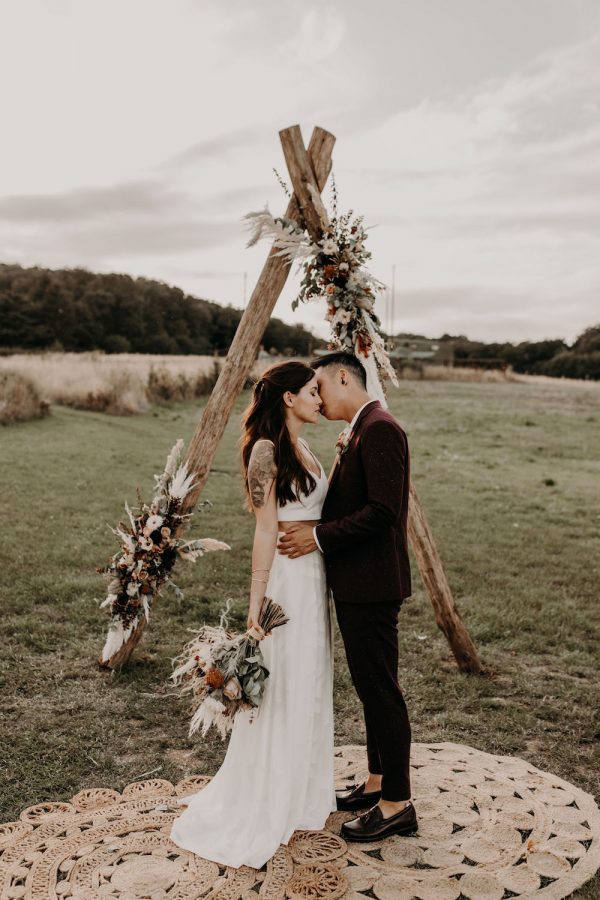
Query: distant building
408, 347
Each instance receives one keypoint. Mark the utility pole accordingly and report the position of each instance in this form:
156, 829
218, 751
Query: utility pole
386, 313
393, 302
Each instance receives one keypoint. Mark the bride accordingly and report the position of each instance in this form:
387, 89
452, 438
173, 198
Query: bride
277, 775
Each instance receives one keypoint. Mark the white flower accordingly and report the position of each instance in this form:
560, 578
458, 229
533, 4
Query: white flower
211, 544
173, 457
215, 706
116, 637
342, 317
365, 303
329, 247
343, 267
233, 689
133, 588
145, 543
208, 713
154, 522
191, 550
182, 483
170, 466
182, 670
126, 539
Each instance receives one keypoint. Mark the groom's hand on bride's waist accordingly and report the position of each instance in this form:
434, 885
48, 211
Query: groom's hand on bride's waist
297, 540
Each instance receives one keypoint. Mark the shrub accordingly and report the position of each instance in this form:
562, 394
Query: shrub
571, 364
165, 386
205, 382
121, 393
19, 399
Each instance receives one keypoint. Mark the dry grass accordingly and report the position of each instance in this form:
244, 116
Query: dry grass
129, 383
120, 383
486, 376
68, 378
448, 373
547, 379
19, 399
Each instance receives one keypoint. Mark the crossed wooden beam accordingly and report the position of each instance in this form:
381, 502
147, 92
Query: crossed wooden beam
309, 171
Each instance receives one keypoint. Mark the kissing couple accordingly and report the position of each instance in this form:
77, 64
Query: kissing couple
342, 538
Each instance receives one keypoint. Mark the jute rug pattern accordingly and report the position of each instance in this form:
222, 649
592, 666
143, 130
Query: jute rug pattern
490, 828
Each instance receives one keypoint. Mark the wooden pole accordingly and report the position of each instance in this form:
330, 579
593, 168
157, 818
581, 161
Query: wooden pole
429, 562
244, 347
432, 572
243, 350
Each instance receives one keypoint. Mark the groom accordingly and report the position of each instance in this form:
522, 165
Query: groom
362, 535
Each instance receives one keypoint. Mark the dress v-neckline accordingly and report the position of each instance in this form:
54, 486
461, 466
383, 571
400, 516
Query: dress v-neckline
318, 461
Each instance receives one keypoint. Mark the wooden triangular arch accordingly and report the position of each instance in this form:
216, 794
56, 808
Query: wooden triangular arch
309, 171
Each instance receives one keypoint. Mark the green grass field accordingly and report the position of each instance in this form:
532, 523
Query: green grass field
510, 477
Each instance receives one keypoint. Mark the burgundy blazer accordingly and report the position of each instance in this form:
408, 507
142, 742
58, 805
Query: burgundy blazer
363, 529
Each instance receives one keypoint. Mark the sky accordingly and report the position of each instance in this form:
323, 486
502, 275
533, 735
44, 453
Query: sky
137, 134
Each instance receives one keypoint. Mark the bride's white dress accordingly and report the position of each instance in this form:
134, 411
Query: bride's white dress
277, 775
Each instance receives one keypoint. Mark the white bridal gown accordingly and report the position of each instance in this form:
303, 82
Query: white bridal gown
277, 775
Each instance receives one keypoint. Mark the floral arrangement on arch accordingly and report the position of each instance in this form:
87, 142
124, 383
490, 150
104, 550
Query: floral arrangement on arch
149, 549
334, 268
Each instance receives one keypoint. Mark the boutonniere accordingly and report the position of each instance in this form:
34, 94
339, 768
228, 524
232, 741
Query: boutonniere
341, 445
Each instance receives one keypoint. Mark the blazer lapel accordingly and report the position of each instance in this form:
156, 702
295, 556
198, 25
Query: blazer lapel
339, 462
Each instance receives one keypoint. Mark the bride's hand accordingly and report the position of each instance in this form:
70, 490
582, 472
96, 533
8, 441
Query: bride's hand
254, 629
256, 632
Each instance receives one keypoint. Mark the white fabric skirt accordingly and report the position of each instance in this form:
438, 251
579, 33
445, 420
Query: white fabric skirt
277, 775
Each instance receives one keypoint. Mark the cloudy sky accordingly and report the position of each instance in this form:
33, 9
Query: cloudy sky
137, 133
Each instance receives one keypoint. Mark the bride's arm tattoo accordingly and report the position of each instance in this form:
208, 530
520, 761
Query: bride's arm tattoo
261, 472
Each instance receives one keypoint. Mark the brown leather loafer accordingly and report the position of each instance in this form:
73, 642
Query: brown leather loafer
372, 826
354, 798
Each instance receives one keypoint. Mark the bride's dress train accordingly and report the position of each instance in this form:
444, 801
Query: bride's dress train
277, 775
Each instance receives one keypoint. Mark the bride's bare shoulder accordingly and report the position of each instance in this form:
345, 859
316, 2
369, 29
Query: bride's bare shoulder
262, 448
261, 471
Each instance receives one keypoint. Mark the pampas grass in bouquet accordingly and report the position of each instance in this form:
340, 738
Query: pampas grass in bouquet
225, 672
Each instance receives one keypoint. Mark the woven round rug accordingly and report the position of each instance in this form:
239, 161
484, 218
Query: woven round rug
490, 828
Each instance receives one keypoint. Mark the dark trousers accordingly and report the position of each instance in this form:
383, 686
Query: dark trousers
370, 635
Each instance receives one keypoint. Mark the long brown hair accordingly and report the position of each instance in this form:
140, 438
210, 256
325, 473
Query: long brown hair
265, 418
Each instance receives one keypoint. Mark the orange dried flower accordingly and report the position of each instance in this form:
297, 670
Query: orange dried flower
364, 346
214, 678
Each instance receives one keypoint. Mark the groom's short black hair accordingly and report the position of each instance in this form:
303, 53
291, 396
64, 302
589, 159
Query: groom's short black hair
343, 360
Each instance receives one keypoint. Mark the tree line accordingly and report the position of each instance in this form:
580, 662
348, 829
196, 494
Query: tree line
77, 310
550, 357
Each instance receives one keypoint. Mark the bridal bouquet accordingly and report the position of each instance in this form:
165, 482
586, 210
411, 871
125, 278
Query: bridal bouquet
148, 552
225, 672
